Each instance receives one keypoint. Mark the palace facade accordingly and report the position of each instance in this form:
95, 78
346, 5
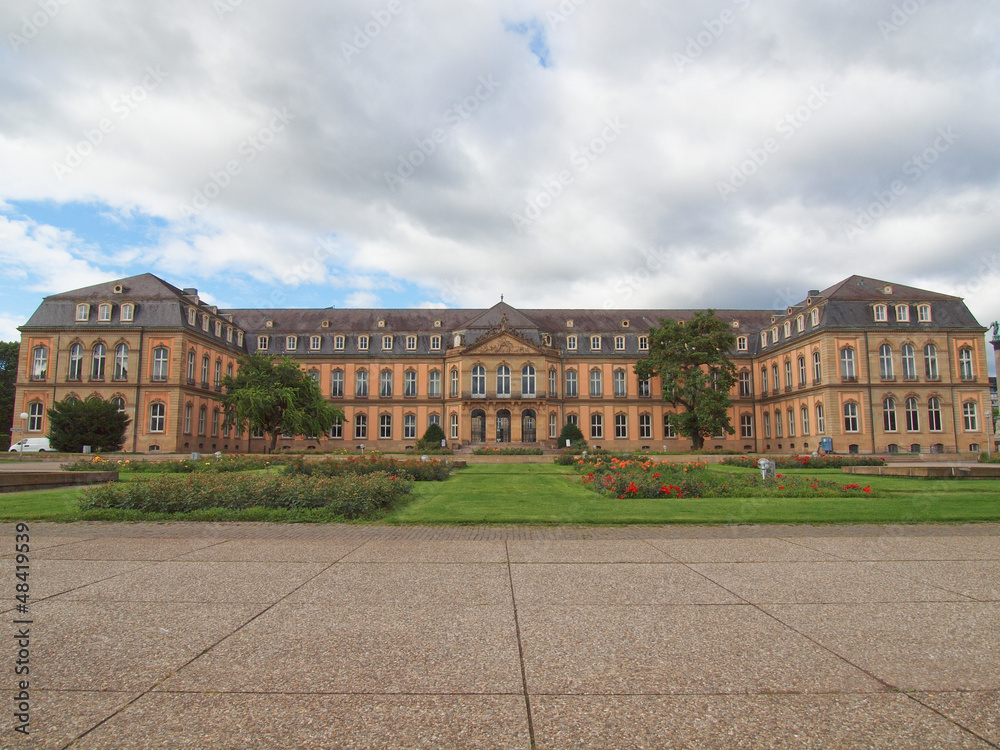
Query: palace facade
875, 367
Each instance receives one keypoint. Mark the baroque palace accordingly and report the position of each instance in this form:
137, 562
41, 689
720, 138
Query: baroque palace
875, 367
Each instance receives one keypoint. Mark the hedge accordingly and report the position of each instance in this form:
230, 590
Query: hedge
414, 469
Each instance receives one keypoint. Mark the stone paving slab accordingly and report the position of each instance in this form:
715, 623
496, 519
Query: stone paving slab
252, 635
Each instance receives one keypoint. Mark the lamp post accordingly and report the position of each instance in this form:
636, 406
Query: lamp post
20, 453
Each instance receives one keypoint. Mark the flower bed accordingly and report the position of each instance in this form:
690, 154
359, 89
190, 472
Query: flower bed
347, 496
415, 469
489, 451
806, 462
181, 466
635, 478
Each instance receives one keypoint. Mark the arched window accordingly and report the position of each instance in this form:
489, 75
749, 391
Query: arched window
39, 363
75, 362
553, 383
851, 417
848, 369
121, 363
596, 386
119, 403
157, 417
889, 414
965, 364
36, 415
620, 383
454, 382
970, 416
337, 383
160, 364
934, 414
930, 362
97, 362
885, 362
909, 362
503, 381
478, 381
528, 381
572, 389
912, 415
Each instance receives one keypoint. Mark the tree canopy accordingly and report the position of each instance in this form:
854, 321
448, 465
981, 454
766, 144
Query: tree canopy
691, 359
8, 377
94, 422
272, 395
432, 438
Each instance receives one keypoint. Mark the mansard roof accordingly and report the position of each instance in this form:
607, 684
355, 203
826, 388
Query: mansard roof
869, 289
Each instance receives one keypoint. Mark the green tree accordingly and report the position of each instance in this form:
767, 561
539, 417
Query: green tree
691, 360
272, 395
572, 433
94, 422
432, 438
8, 376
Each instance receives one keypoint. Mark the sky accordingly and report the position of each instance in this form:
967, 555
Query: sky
563, 153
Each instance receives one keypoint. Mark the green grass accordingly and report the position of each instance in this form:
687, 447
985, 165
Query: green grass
545, 493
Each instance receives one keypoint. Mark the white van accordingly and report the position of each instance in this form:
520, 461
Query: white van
31, 445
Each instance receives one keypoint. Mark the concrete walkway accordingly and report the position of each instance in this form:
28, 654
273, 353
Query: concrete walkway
290, 636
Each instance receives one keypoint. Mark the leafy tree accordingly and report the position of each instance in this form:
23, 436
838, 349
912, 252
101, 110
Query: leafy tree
8, 376
94, 422
432, 438
691, 360
272, 395
572, 433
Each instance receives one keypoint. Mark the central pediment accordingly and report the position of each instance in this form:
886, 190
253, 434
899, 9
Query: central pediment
502, 343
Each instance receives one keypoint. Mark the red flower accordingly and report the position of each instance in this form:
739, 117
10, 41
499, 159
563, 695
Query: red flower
867, 489
656, 476
777, 476
632, 487
665, 489
781, 487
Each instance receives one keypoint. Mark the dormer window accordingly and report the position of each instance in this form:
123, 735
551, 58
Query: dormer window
800, 323
218, 329
229, 334
924, 313
338, 342
387, 343
742, 343
881, 314
192, 316
644, 343
595, 343
104, 313
435, 343
291, 343
735, 324
262, 342
546, 339
763, 339
314, 343
411, 343
569, 323
127, 313
381, 323
82, 313
325, 324
902, 313
118, 289
268, 324
571, 343
239, 338
787, 327
205, 320
458, 339
437, 323
625, 324
363, 343
814, 317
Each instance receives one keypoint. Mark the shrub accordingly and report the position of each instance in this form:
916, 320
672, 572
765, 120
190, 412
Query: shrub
432, 439
95, 422
413, 469
807, 462
181, 466
513, 451
348, 496
572, 433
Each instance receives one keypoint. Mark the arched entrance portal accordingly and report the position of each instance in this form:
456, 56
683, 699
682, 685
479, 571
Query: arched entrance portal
528, 426
503, 426
478, 426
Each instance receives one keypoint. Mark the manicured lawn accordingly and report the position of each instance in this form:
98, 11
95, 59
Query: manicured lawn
546, 493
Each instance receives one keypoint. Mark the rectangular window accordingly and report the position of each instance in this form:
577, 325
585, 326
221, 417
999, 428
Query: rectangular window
644, 343
619, 343
434, 384
411, 343
262, 342
360, 427
847, 369
363, 343
596, 426
595, 343
104, 313
742, 343
820, 420
669, 430
435, 343
553, 425
553, 383
361, 384
410, 384
970, 416
314, 343
850, 417
127, 313
337, 384
387, 343
596, 388
746, 426
82, 313
385, 384
40, 363
571, 384
645, 427
291, 343
337, 429
454, 426
644, 387
620, 383
409, 427
903, 313
338, 342
571, 343
385, 427
621, 426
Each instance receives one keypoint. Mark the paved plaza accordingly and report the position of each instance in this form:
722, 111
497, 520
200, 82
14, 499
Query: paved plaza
246, 636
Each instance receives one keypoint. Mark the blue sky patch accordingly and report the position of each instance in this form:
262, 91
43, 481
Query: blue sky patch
537, 41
